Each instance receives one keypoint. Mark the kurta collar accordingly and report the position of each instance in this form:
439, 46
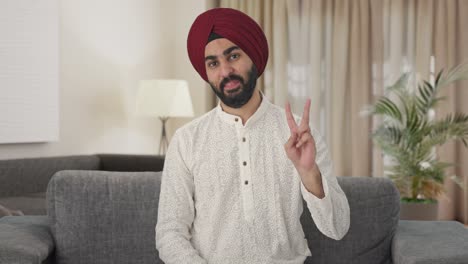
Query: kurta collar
236, 120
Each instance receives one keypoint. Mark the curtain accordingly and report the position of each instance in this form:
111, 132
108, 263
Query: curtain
272, 17
450, 47
425, 37
342, 54
330, 62
313, 47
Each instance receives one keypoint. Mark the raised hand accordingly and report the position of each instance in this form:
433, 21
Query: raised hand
300, 148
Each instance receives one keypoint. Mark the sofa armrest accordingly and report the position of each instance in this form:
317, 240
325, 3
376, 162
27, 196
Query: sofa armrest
418, 242
130, 162
25, 239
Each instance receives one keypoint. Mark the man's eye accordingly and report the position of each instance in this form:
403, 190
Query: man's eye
213, 64
234, 56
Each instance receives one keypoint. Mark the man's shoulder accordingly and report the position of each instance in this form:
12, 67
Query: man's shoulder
276, 109
192, 126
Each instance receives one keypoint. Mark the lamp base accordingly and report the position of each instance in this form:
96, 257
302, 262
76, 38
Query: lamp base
163, 143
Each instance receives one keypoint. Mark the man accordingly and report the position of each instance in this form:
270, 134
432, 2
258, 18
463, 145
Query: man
234, 178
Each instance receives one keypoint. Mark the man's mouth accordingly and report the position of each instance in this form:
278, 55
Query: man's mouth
231, 85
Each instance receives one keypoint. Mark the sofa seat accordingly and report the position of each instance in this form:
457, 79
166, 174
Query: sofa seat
26, 239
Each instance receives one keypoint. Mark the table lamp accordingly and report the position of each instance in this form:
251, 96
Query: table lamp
164, 99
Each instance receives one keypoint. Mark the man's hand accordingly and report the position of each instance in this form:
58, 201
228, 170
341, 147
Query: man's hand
300, 149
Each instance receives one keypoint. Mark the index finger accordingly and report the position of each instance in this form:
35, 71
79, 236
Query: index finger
291, 122
305, 116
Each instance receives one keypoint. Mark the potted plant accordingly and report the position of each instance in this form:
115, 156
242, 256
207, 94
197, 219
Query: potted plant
408, 135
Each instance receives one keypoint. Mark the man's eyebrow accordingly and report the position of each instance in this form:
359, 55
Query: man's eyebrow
211, 57
226, 52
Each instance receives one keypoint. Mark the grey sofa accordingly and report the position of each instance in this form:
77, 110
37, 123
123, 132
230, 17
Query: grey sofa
23, 182
97, 216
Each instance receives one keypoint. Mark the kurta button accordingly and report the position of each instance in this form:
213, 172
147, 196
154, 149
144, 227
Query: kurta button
236, 119
245, 163
246, 182
243, 139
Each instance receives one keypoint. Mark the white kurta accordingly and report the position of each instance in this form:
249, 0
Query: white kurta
230, 194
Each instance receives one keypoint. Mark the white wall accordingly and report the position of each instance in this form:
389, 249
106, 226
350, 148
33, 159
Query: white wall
106, 47
182, 13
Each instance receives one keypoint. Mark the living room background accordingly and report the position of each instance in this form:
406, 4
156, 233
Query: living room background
106, 47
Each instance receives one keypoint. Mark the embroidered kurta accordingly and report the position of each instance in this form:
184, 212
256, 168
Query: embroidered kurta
229, 193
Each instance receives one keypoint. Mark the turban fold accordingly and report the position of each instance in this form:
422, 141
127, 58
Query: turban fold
233, 25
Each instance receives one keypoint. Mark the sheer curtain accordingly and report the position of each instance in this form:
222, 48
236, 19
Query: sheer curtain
331, 62
271, 15
313, 47
450, 47
342, 54
427, 36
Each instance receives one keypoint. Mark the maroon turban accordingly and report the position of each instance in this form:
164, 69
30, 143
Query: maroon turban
232, 25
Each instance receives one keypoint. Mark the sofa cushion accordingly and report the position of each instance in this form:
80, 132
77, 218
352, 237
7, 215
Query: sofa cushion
104, 217
374, 207
131, 162
414, 240
25, 239
31, 175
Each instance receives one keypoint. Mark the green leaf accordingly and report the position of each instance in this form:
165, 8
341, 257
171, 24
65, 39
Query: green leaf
408, 137
386, 107
438, 77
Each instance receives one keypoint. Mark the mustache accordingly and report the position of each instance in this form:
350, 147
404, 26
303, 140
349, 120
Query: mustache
230, 78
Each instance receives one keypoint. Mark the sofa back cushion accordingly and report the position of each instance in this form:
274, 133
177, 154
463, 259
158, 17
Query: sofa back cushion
31, 175
109, 217
374, 207
104, 217
131, 162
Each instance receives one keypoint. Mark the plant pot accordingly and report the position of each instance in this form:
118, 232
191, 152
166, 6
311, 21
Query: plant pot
418, 211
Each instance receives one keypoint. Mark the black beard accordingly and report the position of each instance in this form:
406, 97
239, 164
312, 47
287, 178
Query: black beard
240, 98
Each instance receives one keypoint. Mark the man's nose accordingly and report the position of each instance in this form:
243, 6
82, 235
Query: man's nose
226, 69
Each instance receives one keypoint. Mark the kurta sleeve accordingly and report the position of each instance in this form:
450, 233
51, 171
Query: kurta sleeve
176, 209
331, 213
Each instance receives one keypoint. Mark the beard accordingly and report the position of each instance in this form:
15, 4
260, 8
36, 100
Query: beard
241, 95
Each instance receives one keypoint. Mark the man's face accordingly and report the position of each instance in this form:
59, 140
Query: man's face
231, 73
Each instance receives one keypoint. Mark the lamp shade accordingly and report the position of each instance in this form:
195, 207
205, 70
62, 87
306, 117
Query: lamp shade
164, 98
